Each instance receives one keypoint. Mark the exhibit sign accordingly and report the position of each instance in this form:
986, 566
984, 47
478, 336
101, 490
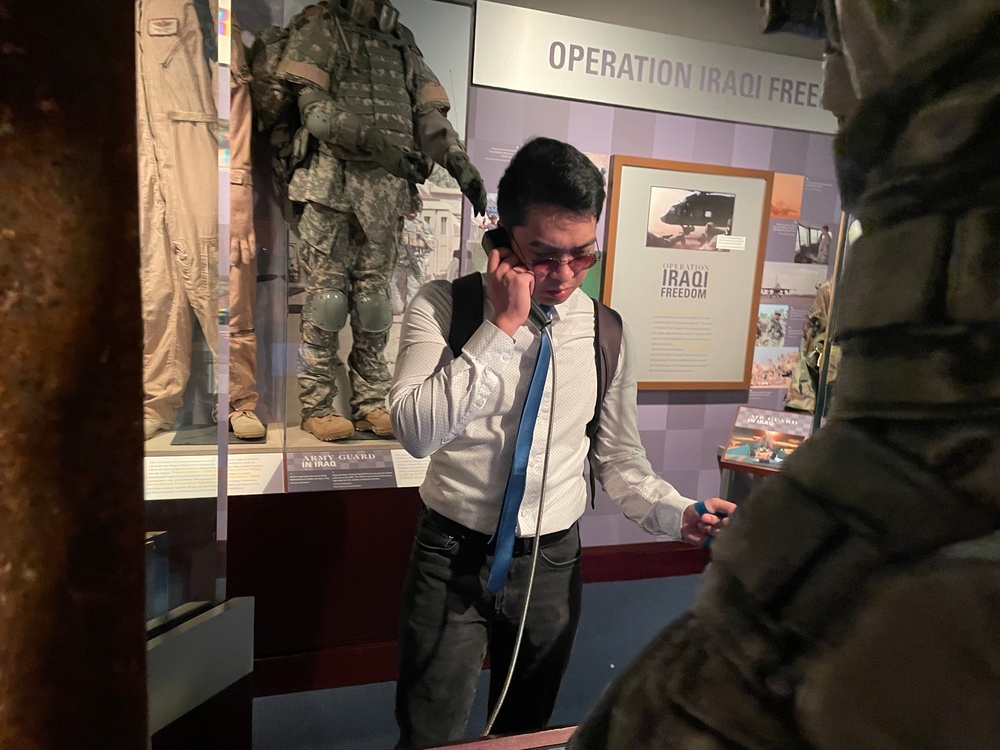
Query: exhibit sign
544, 53
353, 466
171, 477
685, 254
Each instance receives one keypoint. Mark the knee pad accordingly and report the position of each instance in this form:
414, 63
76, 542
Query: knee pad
373, 313
326, 309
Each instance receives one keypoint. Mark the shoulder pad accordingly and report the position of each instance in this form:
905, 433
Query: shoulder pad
407, 36
306, 14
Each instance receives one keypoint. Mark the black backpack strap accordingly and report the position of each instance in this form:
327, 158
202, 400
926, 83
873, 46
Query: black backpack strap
467, 298
608, 332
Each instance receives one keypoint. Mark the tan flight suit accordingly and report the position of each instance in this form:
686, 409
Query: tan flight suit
178, 206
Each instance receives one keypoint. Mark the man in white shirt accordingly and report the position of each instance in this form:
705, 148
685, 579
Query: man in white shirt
464, 412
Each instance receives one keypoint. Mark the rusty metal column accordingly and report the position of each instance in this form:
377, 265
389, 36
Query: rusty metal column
72, 640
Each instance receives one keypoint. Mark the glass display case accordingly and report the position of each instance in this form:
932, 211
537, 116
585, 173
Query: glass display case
232, 370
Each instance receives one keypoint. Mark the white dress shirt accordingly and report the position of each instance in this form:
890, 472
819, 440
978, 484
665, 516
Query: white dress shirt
464, 414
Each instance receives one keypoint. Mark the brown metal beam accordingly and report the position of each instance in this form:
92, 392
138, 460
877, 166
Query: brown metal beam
72, 641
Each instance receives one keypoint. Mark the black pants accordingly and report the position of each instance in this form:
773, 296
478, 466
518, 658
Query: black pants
448, 620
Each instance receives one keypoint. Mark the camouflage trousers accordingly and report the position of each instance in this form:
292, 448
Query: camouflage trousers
337, 254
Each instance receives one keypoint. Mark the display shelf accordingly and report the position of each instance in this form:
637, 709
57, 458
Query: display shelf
162, 444
298, 439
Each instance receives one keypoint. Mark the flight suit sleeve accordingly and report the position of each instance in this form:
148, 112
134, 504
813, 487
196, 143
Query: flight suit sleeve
243, 244
315, 43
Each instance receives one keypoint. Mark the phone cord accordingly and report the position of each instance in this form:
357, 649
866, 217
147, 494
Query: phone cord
534, 555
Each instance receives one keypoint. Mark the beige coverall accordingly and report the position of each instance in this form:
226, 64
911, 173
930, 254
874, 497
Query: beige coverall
178, 206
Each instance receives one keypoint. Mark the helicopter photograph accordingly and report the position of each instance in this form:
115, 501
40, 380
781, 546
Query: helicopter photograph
688, 219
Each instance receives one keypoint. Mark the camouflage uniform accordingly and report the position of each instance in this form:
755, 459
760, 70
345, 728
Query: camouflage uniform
352, 208
854, 603
411, 270
801, 394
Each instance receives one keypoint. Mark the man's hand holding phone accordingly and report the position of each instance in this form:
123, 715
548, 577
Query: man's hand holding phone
701, 521
509, 286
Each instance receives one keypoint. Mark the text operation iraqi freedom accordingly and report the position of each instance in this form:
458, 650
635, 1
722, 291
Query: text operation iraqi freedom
608, 63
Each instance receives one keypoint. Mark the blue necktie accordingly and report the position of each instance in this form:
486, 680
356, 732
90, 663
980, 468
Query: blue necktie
507, 526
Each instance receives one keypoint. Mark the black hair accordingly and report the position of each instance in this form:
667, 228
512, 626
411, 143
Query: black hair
547, 171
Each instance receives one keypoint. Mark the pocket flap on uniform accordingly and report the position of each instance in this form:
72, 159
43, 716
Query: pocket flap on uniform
191, 117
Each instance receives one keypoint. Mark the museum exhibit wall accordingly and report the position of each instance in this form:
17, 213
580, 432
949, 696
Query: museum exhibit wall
682, 430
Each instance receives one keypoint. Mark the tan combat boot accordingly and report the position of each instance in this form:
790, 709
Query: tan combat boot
246, 425
377, 421
331, 427
152, 425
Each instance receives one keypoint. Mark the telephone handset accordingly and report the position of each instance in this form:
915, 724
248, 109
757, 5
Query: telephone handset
498, 238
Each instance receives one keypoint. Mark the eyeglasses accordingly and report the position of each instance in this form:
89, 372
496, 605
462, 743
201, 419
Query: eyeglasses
545, 266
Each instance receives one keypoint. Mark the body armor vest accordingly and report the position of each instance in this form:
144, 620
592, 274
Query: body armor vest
370, 80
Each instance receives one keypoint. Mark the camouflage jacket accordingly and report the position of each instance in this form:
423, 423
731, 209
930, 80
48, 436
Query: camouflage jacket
328, 51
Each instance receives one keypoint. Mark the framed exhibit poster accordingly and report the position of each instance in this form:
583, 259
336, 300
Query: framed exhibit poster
685, 255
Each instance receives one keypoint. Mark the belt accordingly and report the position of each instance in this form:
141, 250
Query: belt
523, 545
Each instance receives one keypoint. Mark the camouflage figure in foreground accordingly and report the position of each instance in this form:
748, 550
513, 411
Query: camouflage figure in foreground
855, 600
374, 121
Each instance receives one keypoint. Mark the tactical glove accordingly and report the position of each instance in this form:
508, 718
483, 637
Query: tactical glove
457, 162
242, 241
409, 165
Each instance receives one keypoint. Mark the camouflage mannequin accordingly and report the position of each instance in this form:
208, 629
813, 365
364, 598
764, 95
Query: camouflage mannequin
855, 601
374, 119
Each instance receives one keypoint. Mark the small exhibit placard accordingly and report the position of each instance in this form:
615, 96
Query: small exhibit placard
761, 439
179, 477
